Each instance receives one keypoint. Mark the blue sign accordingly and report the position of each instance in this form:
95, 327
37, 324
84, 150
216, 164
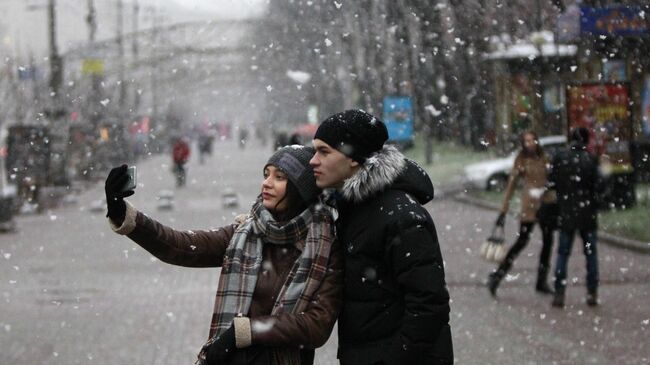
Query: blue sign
645, 107
26, 73
398, 117
614, 20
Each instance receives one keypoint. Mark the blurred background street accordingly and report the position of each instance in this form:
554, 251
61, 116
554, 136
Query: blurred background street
81, 293
88, 85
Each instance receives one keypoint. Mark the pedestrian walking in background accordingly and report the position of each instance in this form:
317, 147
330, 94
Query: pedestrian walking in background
575, 177
243, 137
396, 304
204, 141
180, 156
531, 166
281, 281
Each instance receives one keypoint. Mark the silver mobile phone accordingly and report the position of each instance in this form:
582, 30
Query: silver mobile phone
132, 182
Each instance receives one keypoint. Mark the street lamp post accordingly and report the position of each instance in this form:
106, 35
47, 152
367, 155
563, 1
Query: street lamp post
57, 173
56, 62
120, 51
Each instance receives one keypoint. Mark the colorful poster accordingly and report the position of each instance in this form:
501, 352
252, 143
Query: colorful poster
552, 119
604, 110
552, 98
645, 107
521, 104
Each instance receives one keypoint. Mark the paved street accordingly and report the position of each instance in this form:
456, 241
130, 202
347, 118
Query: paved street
73, 292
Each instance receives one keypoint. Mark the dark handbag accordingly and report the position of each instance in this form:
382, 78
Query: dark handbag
548, 215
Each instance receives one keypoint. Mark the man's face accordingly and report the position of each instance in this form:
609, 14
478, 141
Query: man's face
331, 167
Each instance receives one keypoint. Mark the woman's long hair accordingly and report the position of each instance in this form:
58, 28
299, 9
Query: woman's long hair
539, 151
295, 204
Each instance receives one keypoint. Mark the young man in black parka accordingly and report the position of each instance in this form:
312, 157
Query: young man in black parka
396, 303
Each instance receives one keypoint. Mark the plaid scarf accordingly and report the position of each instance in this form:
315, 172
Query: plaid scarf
311, 232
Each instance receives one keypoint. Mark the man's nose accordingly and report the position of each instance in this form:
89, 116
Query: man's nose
314, 161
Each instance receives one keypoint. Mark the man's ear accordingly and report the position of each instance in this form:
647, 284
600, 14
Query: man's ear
353, 163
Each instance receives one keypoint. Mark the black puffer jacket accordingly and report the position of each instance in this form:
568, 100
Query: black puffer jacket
396, 304
574, 175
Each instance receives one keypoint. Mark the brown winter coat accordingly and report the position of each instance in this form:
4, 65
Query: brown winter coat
206, 249
533, 171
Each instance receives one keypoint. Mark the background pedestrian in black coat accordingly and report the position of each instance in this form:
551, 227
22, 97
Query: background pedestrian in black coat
575, 177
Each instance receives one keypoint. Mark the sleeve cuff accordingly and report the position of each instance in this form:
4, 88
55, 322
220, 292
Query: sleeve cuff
129, 221
243, 335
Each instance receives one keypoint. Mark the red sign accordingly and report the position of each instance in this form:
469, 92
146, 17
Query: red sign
604, 110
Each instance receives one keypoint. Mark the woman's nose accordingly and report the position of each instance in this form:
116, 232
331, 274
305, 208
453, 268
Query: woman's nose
267, 182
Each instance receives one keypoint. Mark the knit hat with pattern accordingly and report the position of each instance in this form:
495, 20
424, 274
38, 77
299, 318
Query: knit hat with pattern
294, 161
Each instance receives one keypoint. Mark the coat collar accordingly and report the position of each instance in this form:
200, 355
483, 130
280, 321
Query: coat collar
376, 174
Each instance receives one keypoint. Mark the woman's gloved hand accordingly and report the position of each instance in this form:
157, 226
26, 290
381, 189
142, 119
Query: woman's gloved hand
223, 347
501, 220
115, 204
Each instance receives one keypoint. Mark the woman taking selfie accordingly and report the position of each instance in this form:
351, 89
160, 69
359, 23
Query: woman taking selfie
280, 287
530, 166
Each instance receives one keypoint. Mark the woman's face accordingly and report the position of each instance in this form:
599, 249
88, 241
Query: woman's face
530, 143
274, 188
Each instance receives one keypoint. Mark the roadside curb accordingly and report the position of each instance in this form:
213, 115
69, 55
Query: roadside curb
626, 243
448, 191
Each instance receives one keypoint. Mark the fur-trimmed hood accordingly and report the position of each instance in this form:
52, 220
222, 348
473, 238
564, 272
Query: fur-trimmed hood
388, 168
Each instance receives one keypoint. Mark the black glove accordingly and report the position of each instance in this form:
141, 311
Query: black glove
501, 221
223, 347
115, 181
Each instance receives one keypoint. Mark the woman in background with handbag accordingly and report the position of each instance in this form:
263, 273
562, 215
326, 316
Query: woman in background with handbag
530, 166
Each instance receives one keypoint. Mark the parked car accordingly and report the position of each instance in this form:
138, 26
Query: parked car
493, 174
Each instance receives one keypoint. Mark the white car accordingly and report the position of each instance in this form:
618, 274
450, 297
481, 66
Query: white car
493, 174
